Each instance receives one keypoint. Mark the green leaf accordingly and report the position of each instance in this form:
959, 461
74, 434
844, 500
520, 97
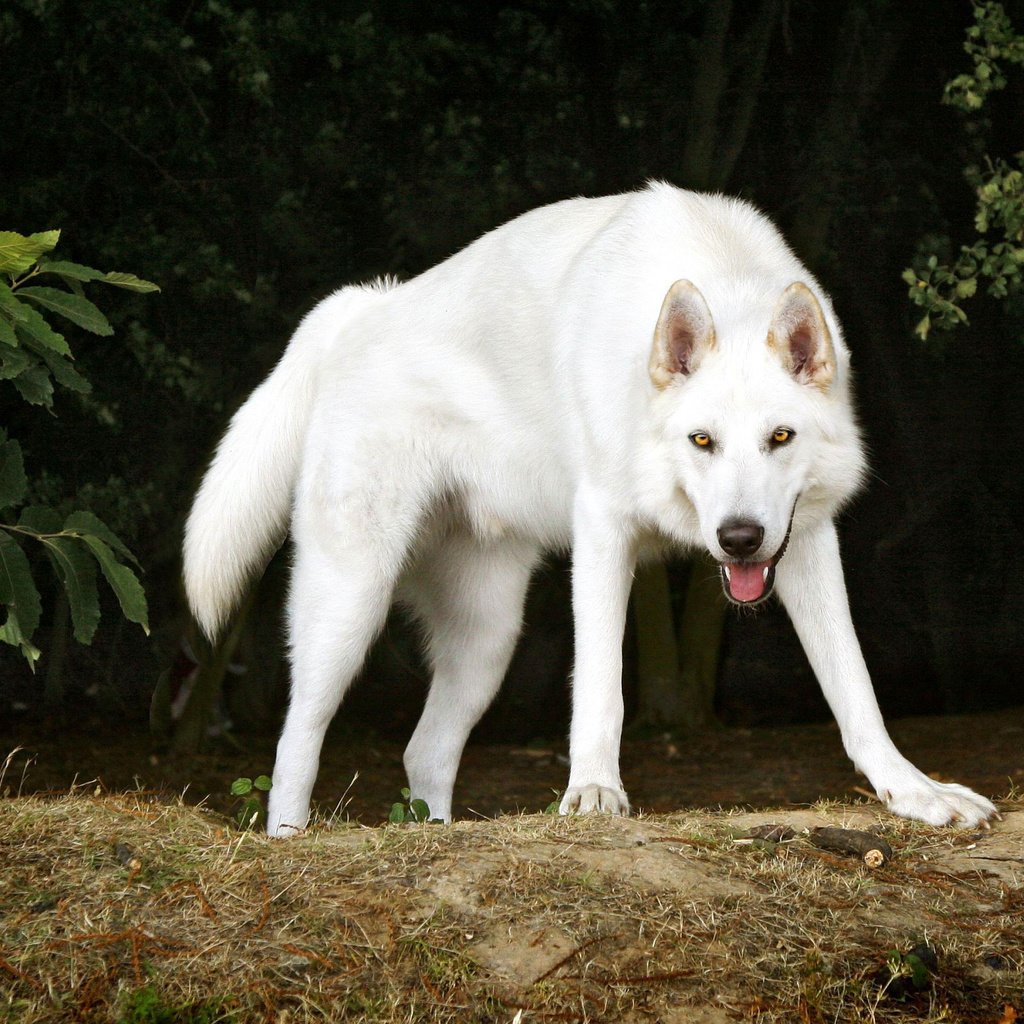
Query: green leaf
241, 787
19, 252
249, 814
262, 782
15, 311
35, 326
12, 633
420, 810
128, 281
72, 307
397, 815
88, 523
919, 974
78, 571
13, 483
35, 386
123, 582
63, 372
14, 361
18, 591
7, 335
70, 271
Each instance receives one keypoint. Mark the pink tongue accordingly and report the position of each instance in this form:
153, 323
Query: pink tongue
746, 582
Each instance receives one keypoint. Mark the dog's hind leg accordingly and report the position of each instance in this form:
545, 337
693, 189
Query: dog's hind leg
348, 557
469, 595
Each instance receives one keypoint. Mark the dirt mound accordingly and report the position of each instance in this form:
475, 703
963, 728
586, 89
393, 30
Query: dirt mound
128, 908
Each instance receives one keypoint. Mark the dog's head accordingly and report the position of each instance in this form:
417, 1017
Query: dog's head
758, 422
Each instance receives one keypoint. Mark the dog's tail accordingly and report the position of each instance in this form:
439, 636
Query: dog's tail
240, 515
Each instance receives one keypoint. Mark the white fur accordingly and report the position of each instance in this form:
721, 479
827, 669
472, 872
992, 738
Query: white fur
432, 439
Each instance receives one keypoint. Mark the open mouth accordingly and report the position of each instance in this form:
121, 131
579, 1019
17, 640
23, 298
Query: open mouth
750, 583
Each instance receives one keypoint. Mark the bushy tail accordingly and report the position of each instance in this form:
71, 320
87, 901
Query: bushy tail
240, 515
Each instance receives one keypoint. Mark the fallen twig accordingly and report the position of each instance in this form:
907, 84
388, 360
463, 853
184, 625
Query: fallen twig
871, 849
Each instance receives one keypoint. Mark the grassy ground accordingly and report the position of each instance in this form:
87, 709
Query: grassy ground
132, 908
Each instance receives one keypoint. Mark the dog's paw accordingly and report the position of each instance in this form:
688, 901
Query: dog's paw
286, 819
939, 803
284, 831
594, 799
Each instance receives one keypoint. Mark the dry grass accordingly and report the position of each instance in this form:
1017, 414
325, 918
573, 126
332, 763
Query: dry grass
128, 908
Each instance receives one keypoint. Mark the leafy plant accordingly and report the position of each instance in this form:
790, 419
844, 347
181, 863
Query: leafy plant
940, 287
251, 814
409, 810
33, 356
149, 1006
990, 40
907, 973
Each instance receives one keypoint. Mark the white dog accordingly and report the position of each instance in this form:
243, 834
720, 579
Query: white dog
601, 375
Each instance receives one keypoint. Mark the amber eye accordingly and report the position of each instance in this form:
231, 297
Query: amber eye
782, 435
701, 439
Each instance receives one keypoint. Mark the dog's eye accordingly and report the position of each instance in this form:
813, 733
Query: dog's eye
782, 435
701, 439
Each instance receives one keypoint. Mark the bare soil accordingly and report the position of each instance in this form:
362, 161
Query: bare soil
728, 768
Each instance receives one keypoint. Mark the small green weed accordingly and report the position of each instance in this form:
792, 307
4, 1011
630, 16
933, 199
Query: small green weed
910, 972
251, 814
148, 1006
409, 810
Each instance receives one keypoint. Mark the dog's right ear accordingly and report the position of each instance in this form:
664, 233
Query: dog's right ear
685, 333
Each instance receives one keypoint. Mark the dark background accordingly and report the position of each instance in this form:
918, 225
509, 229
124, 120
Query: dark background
250, 159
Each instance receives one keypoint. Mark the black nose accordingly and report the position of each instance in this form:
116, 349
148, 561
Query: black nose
740, 537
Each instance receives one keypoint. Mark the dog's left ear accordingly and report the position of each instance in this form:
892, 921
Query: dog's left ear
800, 337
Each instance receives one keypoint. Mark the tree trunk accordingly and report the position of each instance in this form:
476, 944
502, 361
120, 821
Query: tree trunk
677, 678
660, 695
709, 82
190, 731
56, 658
701, 626
863, 56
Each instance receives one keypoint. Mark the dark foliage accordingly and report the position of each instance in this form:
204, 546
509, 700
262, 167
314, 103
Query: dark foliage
250, 159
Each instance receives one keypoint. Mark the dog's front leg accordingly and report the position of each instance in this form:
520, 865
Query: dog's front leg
810, 581
604, 555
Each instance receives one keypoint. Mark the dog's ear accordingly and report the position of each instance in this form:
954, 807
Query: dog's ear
800, 337
685, 333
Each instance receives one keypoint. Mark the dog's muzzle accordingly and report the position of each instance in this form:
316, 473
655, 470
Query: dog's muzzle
745, 581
